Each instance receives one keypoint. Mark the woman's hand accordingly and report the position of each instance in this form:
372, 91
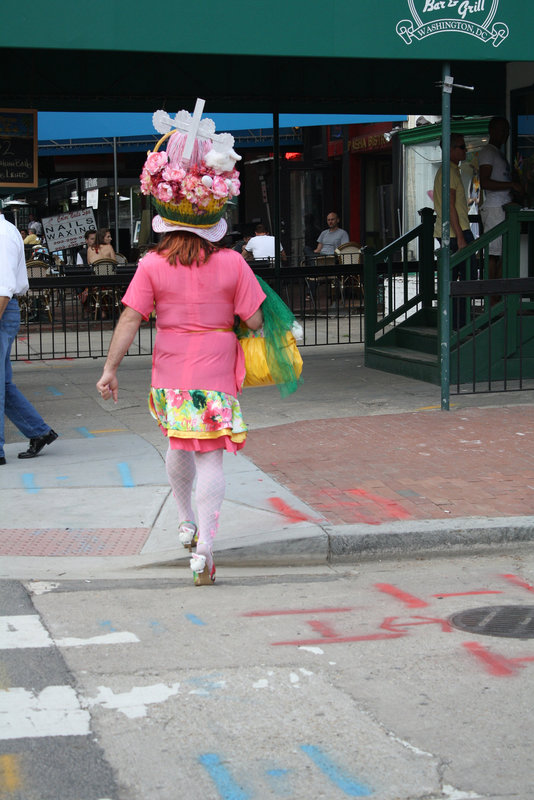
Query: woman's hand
125, 332
108, 385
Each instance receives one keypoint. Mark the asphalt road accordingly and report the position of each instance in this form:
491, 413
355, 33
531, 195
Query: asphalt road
296, 683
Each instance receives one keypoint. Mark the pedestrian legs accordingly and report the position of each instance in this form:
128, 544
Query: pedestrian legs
12, 402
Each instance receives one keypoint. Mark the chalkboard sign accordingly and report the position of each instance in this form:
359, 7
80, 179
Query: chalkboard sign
18, 147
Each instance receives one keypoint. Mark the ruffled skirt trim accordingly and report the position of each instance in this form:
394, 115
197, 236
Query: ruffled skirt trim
198, 420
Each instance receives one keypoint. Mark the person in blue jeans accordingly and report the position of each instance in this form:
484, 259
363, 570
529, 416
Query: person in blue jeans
13, 404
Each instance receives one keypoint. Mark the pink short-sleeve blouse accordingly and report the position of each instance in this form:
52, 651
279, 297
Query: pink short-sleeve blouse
195, 346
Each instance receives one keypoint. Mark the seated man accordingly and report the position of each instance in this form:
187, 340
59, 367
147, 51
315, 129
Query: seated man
90, 239
332, 237
261, 246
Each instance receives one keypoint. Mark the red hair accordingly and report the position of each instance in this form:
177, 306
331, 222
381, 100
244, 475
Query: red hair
185, 248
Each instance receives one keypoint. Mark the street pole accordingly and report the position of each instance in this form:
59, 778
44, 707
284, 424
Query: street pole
276, 195
116, 194
445, 255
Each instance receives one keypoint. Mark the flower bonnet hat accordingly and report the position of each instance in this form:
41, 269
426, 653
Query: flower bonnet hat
193, 178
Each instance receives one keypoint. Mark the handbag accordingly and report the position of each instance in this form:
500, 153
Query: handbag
259, 372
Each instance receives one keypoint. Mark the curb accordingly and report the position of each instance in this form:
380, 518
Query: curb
324, 545
430, 537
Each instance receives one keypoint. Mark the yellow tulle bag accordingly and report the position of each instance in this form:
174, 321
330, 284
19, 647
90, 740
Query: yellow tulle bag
258, 371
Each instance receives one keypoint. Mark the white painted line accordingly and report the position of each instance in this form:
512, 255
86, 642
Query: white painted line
53, 712
42, 587
457, 794
25, 630
121, 637
133, 703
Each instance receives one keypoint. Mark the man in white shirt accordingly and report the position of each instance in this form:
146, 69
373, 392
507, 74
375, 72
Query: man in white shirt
13, 404
330, 239
496, 181
261, 246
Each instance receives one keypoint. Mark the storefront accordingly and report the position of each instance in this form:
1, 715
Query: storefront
373, 219
420, 159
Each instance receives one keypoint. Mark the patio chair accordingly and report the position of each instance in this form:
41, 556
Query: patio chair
102, 298
36, 300
349, 254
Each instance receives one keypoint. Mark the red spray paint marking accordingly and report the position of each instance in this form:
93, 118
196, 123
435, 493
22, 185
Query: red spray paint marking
389, 623
393, 509
296, 611
517, 581
464, 594
372, 637
495, 664
357, 515
291, 514
323, 629
408, 599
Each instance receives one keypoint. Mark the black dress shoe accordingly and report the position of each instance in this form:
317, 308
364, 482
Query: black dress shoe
37, 444
2, 461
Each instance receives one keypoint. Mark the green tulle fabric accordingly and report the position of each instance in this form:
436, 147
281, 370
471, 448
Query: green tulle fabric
278, 319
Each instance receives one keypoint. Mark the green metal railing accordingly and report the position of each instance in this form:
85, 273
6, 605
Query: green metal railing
383, 268
478, 305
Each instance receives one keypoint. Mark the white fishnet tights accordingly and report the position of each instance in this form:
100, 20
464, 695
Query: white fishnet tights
182, 467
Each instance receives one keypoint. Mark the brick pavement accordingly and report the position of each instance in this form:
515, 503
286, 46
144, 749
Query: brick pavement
473, 462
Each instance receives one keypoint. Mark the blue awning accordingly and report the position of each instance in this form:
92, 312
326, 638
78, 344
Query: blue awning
81, 133
57, 126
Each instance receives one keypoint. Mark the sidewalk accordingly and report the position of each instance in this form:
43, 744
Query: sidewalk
356, 464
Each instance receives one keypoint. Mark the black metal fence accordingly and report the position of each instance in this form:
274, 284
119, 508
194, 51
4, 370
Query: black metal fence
492, 346
73, 316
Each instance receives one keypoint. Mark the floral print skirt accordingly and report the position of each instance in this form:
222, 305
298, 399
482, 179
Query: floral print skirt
198, 420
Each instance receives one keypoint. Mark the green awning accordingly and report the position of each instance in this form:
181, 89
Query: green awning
429, 133
366, 29
356, 56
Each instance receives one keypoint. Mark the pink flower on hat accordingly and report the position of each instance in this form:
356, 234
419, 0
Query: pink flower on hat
175, 174
201, 191
233, 185
155, 162
164, 192
195, 191
146, 182
219, 187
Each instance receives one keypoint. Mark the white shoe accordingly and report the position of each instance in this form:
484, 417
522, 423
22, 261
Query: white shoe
197, 563
201, 575
187, 533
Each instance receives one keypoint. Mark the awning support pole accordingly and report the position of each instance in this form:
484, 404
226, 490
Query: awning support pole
116, 193
444, 276
276, 197
444, 326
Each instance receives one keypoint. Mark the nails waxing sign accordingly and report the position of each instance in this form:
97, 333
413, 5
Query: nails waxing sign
473, 17
68, 230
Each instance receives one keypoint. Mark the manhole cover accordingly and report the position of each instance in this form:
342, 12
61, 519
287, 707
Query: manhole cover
515, 622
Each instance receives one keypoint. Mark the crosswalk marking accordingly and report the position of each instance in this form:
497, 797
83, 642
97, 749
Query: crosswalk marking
55, 711
27, 630
120, 637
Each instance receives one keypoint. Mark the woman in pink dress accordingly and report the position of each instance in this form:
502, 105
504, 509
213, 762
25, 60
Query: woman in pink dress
198, 364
